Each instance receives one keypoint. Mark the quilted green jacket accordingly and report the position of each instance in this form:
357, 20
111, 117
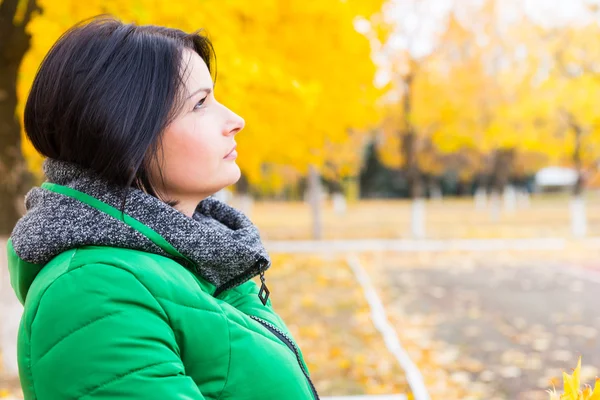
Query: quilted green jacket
104, 322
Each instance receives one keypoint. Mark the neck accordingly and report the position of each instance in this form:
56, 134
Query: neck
186, 204
187, 207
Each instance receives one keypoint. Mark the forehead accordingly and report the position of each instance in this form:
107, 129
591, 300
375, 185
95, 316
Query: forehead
196, 73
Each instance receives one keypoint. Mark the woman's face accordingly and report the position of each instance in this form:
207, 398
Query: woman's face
197, 157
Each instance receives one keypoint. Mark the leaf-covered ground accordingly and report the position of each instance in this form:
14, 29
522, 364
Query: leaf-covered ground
9, 384
326, 311
494, 325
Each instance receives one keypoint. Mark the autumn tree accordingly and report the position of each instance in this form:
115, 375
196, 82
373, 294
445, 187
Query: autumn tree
298, 72
571, 63
15, 41
404, 61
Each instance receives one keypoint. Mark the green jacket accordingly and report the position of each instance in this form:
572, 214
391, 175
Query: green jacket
105, 322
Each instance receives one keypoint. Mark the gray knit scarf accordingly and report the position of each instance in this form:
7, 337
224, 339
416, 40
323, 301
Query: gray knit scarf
222, 242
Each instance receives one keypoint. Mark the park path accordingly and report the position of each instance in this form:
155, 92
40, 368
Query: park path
506, 330
426, 245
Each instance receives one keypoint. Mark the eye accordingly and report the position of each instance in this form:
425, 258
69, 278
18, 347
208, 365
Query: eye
199, 104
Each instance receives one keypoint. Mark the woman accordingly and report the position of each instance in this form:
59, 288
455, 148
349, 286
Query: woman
136, 283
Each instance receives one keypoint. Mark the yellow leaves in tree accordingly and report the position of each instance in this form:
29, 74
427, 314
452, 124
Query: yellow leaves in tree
488, 87
297, 71
572, 390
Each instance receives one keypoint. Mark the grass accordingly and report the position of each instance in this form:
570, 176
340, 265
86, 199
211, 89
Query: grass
545, 216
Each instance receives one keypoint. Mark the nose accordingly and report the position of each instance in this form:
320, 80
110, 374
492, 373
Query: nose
235, 123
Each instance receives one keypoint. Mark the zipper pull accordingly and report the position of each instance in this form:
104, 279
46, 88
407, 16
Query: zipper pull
263, 294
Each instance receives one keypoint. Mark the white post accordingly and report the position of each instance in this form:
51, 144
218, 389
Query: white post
578, 216
315, 200
523, 199
509, 195
339, 203
480, 198
223, 195
495, 206
246, 202
417, 219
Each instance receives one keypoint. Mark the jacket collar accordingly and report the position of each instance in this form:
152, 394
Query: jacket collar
76, 208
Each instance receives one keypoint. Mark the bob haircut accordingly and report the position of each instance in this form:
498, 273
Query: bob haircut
104, 94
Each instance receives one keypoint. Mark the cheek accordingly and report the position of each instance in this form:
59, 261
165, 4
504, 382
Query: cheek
186, 142
190, 150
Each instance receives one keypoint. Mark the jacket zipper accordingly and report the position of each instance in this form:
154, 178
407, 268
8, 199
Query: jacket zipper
289, 343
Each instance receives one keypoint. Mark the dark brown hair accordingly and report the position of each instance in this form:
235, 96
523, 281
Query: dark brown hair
105, 93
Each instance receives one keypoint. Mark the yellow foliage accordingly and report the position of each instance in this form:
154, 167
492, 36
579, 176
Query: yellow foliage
572, 389
297, 71
489, 86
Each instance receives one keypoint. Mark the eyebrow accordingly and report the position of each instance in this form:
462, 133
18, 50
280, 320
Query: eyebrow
207, 90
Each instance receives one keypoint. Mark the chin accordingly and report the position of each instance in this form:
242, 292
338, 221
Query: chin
233, 175
226, 177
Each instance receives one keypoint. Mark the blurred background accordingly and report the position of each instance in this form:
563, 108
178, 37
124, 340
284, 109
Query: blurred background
444, 154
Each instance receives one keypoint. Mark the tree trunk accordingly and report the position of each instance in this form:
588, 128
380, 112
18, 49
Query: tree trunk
416, 185
435, 190
412, 171
409, 149
578, 212
409, 143
243, 196
500, 174
501, 169
482, 191
509, 196
315, 200
15, 178
579, 184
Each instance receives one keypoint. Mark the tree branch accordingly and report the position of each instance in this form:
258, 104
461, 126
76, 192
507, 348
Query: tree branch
8, 9
32, 7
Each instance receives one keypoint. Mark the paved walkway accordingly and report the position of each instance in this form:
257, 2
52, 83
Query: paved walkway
425, 245
514, 328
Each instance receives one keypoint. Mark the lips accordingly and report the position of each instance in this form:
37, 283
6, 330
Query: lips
230, 151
